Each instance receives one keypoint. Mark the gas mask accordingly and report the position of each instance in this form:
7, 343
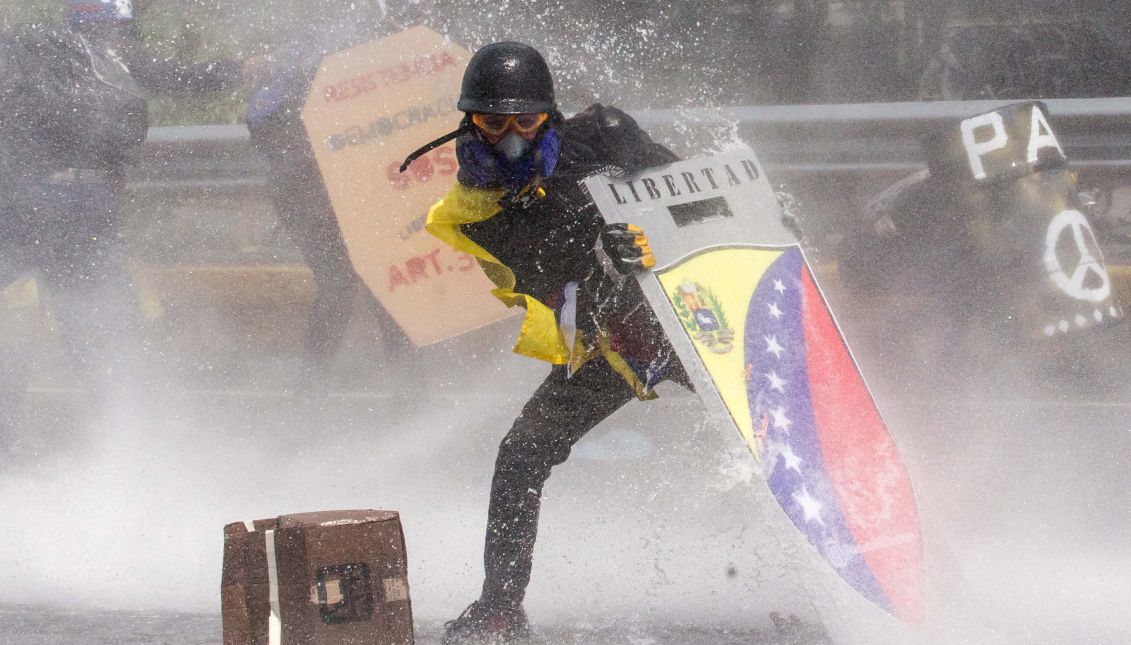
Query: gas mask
512, 163
513, 147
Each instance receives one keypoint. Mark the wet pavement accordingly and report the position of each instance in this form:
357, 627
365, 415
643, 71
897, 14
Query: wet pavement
1020, 469
47, 626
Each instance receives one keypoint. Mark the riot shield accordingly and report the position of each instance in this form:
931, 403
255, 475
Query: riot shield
368, 107
1008, 170
747, 318
994, 235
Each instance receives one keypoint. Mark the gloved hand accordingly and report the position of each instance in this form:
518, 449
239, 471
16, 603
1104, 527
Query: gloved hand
627, 248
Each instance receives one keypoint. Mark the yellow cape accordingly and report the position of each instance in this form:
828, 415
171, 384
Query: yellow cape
540, 337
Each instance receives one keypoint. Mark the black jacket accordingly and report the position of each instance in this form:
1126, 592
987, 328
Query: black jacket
552, 241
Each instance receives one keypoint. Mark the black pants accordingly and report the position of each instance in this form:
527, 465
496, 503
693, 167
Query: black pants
559, 413
304, 210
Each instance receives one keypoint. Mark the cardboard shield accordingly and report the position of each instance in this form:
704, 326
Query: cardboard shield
368, 108
739, 303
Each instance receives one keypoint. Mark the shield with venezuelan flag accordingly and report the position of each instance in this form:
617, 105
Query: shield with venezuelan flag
745, 314
764, 333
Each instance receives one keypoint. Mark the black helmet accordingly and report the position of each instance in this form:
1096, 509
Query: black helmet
507, 78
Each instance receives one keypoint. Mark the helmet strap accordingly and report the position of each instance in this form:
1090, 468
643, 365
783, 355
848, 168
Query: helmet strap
465, 127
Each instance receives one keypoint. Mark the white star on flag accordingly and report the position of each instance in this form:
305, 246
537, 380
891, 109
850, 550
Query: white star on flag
774, 311
772, 346
779, 286
792, 461
809, 505
776, 382
781, 422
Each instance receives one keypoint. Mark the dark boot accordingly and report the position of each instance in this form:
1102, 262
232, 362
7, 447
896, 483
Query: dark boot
482, 623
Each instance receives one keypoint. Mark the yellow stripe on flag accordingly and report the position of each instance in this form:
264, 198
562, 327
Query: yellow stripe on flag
718, 285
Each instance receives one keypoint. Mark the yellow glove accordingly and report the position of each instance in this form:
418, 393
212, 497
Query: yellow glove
627, 247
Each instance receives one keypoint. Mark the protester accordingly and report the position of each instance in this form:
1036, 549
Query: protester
299, 195
519, 209
992, 242
74, 105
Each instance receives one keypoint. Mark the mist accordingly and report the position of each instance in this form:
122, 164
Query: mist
1018, 452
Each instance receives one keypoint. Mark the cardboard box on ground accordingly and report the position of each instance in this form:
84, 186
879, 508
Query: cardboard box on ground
327, 578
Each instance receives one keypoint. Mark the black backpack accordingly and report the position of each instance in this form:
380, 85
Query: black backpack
84, 97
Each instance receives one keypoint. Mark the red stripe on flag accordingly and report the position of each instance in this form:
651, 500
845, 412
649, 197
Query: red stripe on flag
870, 480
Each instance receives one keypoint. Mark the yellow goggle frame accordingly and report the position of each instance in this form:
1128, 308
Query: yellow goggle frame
498, 124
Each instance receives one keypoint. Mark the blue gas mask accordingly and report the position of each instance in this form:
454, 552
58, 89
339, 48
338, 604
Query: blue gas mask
512, 163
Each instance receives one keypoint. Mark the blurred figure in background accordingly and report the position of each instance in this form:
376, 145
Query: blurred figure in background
991, 244
74, 106
298, 193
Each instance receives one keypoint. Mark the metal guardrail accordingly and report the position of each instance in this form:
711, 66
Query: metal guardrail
833, 157
885, 114
792, 140
884, 137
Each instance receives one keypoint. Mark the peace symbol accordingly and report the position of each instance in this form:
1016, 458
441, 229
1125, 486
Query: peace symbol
1088, 264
